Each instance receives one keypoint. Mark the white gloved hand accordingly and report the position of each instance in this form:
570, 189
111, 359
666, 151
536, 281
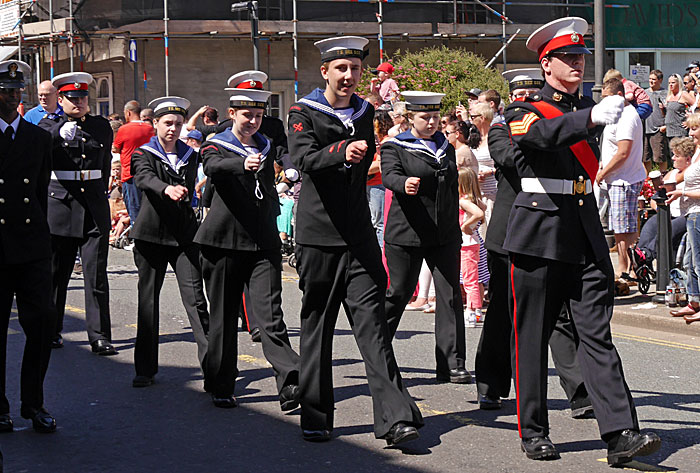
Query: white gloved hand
292, 175
608, 111
68, 130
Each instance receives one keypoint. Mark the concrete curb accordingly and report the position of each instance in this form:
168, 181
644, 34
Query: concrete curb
654, 319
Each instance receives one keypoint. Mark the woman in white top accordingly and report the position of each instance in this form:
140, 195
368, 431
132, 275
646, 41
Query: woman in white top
690, 207
481, 115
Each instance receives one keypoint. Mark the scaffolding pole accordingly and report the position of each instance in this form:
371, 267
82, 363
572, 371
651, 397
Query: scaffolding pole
70, 32
51, 36
380, 36
165, 38
295, 46
503, 48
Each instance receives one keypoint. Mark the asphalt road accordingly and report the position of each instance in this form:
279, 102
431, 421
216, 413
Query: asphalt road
106, 425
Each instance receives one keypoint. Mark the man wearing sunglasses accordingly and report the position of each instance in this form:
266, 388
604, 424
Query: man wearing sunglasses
558, 252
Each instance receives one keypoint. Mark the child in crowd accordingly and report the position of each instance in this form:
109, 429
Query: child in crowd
471, 214
383, 85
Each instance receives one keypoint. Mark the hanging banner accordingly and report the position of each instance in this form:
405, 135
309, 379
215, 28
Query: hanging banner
9, 17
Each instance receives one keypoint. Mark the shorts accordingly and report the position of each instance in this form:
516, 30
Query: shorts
623, 215
656, 148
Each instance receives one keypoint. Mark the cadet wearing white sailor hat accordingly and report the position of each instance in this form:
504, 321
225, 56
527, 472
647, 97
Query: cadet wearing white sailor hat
165, 105
523, 82
421, 101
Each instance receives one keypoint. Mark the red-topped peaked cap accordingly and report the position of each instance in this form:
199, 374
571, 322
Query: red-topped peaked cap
73, 84
247, 80
564, 35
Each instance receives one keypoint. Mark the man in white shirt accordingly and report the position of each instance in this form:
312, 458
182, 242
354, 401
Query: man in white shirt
623, 172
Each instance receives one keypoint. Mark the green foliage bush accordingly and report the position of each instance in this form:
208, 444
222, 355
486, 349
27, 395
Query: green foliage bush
451, 71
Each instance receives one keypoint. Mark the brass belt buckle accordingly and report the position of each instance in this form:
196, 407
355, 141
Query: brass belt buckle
82, 175
579, 188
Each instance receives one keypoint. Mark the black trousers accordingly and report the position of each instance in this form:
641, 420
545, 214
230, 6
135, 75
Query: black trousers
540, 287
94, 249
225, 273
30, 283
404, 263
493, 356
152, 262
354, 277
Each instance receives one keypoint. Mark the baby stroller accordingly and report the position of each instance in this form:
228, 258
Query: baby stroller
643, 266
123, 240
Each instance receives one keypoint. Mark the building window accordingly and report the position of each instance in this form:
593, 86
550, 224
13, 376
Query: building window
104, 101
274, 106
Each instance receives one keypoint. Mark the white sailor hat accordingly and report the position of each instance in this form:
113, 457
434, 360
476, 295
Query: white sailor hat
72, 84
530, 78
421, 101
12, 74
247, 80
342, 46
564, 35
165, 105
249, 98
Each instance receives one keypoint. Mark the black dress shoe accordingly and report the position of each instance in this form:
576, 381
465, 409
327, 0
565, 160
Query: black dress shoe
489, 403
103, 348
255, 335
224, 402
626, 445
458, 375
5, 423
142, 381
401, 433
539, 448
289, 397
57, 342
316, 435
42, 421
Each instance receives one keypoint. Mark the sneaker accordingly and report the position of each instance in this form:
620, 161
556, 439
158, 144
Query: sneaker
129, 247
470, 320
637, 257
479, 316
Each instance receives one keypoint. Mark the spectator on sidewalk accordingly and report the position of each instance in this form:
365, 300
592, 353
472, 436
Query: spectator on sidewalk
689, 197
645, 251
462, 136
655, 141
677, 102
493, 99
146, 115
634, 94
210, 121
133, 134
622, 172
48, 103
383, 84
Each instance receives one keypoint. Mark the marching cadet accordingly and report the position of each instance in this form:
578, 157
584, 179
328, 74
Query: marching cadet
557, 248
493, 356
419, 167
240, 245
331, 141
78, 208
25, 248
165, 169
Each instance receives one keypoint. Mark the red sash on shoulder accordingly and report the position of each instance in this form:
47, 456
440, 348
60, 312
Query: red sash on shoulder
582, 150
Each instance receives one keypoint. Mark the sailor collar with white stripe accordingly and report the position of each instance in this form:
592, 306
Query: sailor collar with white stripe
229, 141
183, 153
409, 141
317, 101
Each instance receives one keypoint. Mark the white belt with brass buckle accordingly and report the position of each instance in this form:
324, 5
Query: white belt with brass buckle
87, 175
545, 185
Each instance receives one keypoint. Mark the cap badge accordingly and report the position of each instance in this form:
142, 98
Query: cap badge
252, 83
556, 96
575, 37
12, 68
76, 85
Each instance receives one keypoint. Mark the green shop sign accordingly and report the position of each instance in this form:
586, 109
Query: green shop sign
653, 24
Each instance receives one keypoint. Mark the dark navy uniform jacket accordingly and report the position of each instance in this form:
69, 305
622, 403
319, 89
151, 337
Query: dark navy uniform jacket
25, 170
504, 155
332, 208
161, 219
245, 205
553, 226
430, 218
77, 207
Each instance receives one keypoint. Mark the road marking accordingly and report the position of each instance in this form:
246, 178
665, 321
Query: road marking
290, 277
77, 310
656, 341
254, 361
635, 465
464, 420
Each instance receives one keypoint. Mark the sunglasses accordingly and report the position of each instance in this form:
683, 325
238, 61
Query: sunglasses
472, 117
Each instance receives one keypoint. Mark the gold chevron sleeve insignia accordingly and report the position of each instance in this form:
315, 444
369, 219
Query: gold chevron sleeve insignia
520, 127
